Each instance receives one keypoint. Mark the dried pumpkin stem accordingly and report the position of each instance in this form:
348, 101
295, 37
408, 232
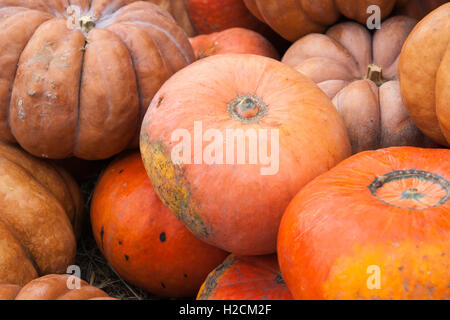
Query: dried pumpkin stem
87, 23
375, 73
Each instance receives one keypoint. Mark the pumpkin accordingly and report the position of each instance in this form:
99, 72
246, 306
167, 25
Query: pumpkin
359, 73
141, 239
38, 203
76, 81
245, 278
293, 19
417, 9
208, 16
178, 11
52, 287
374, 227
229, 140
234, 40
424, 75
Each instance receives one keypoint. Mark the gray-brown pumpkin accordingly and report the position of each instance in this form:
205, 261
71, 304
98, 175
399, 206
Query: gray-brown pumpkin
358, 72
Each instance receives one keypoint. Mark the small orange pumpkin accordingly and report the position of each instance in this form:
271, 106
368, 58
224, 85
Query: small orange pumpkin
141, 239
245, 278
374, 227
234, 40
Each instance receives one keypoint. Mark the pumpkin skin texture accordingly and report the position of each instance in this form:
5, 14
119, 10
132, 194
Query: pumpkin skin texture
234, 40
236, 204
52, 287
245, 278
178, 11
424, 75
82, 89
361, 79
417, 9
293, 19
386, 210
38, 203
142, 240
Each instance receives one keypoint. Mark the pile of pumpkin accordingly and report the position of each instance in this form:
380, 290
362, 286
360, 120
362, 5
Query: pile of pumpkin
357, 208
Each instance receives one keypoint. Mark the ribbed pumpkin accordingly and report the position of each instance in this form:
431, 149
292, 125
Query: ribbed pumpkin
245, 278
141, 239
76, 81
293, 19
374, 227
52, 287
178, 10
358, 72
417, 9
231, 191
424, 71
234, 40
38, 203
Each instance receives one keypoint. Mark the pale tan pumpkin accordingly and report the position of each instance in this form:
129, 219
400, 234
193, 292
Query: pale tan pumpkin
358, 72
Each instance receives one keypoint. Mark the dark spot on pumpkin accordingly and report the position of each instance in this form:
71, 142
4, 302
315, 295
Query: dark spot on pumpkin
121, 171
279, 279
120, 242
102, 233
185, 275
163, 285
161, 99
401, 268
127, 257
162, 237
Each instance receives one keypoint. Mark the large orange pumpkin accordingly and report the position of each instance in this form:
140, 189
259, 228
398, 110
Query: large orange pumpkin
245, 278
424, 71
38, 203
53, 287
268, 130
358, 72
374, 227
417, 9
293, 19
234, 40
78, 80
141, 239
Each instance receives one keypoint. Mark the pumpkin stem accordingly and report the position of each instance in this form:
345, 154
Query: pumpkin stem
248, 108
375, 73
412, 189
87, 23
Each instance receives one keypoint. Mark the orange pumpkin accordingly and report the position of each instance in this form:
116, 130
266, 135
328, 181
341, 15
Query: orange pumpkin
141, 239
41, 214
417, 9
53, 287
234, 40
424, 75
245, 278
374, 227
292, 19
208, 16
268, 130
358, 72
76, 81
